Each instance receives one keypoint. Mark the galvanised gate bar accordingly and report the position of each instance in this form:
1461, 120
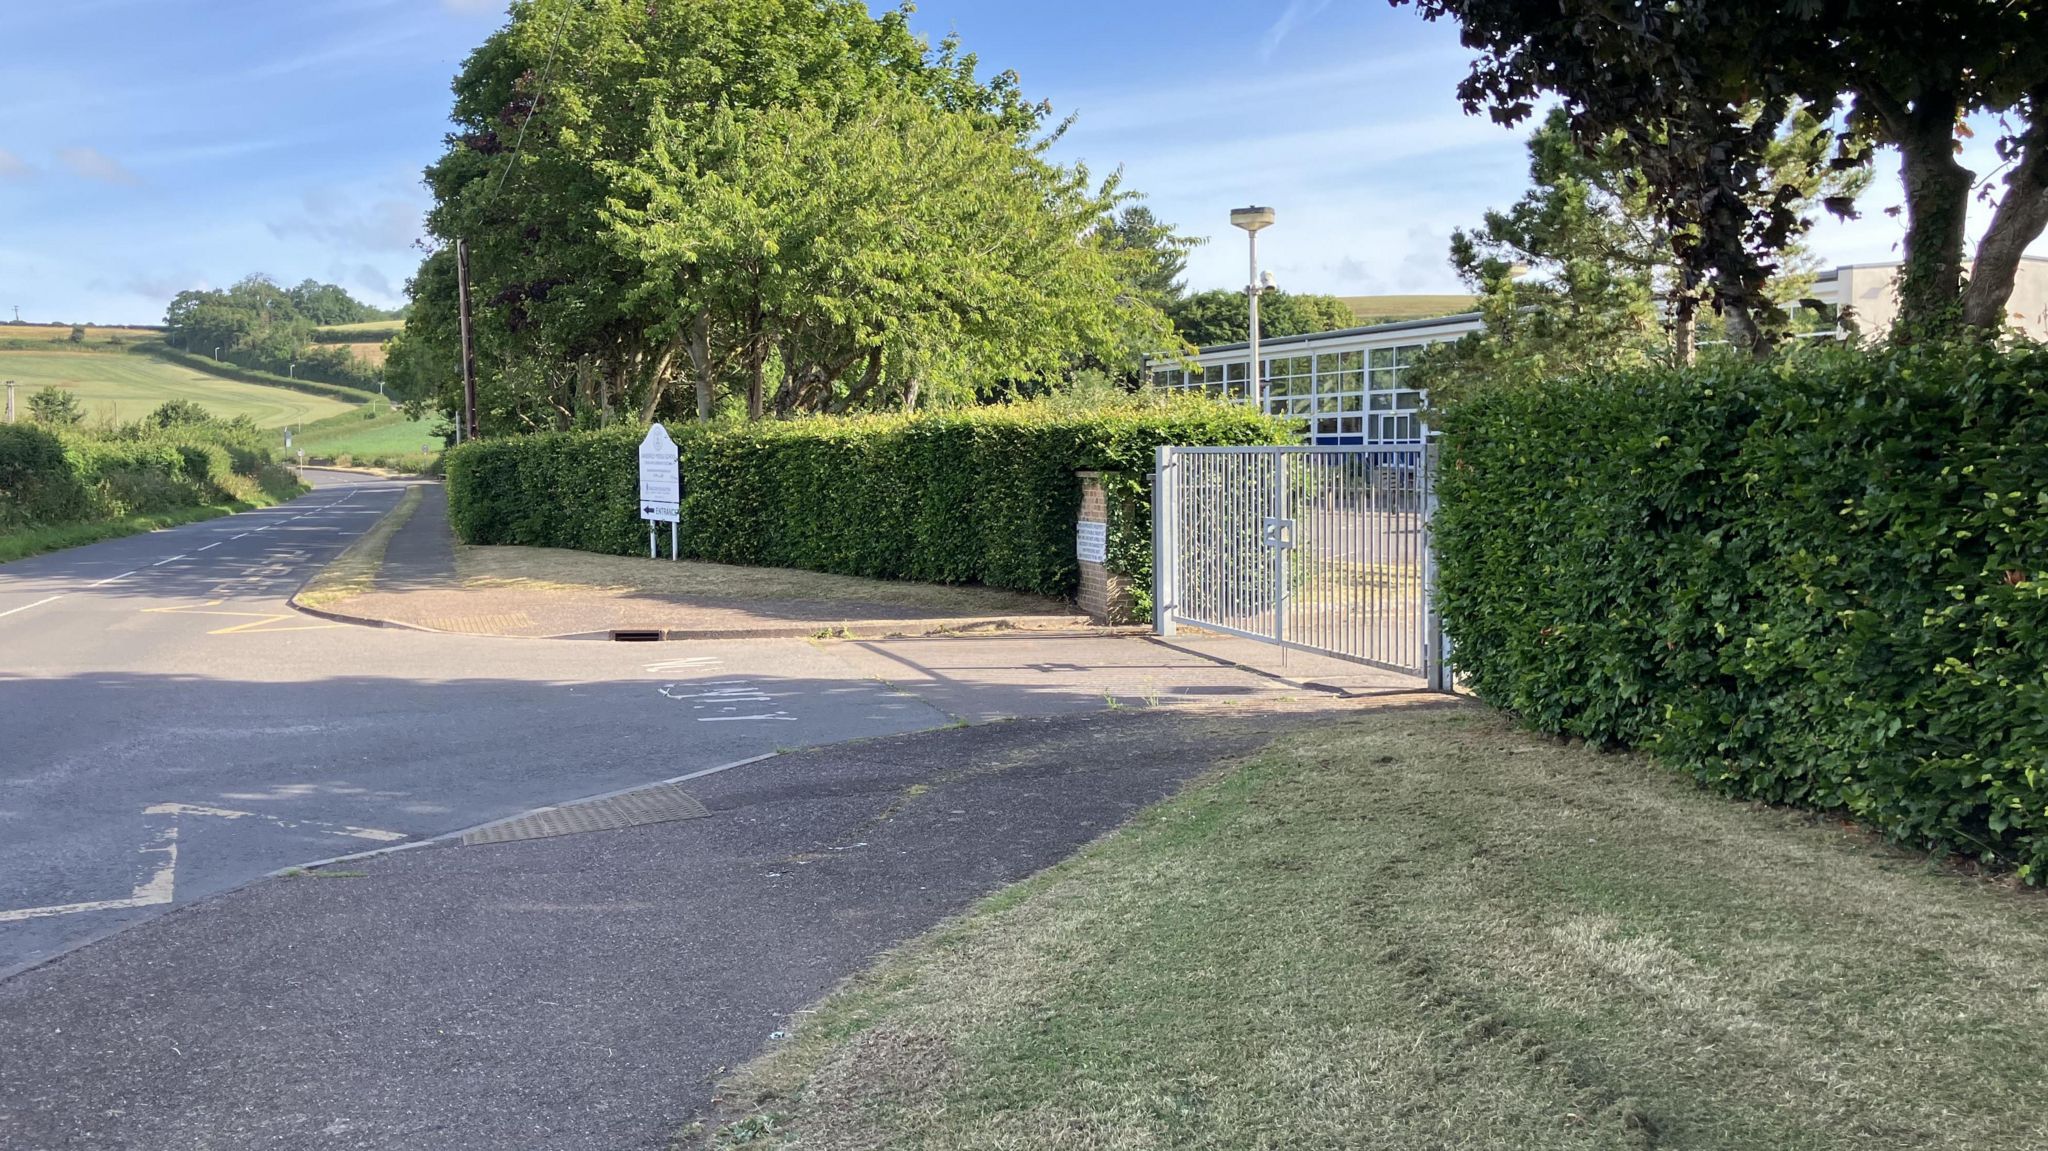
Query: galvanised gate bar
1320, 549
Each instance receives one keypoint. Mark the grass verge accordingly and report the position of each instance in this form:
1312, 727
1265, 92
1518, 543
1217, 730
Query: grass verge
1427, 929
25, 542
545, 568
354, 571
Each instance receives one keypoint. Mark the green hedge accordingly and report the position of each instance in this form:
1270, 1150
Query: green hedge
1822, 581
982, 495
50, 477
229, 371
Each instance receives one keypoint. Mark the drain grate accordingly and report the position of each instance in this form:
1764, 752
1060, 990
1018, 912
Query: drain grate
663, 804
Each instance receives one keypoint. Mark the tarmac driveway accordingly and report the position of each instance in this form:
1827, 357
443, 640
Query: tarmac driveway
578, 992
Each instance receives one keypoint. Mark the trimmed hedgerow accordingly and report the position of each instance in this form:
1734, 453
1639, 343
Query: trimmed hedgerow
981, 495
48, 477
1822, 581
359, 391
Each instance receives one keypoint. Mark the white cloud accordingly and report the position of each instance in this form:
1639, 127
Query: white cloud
93, 164
1295, 14
380, 226
13, 167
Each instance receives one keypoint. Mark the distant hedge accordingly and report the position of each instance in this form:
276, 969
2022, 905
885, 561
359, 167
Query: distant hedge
1822, 581
50, 477
229, 371
982, 495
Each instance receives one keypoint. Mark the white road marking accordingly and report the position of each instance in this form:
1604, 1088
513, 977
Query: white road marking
211, 546
684, 664
349, 830
239, 537
776, 717
112, 579
26, 606
159, 888
370, 833
195, 809
173, 559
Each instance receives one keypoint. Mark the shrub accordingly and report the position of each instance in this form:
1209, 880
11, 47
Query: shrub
49, 478
1819, 581
56, 407
979, 495
36, 486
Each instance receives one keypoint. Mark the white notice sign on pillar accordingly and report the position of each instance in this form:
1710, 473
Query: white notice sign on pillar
661, 478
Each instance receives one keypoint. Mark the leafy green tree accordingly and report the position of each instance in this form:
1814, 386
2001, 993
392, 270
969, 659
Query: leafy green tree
77, 334
1221, 316
1156, 255
1567, 277
178, 413
790, 202
1570, 277
56, 407
1674, 107
1693, 86
325, 304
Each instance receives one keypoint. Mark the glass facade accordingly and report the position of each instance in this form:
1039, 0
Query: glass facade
1342, 395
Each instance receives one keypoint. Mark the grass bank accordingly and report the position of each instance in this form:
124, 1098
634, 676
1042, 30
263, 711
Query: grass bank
1427, 929
354, 571
25, 542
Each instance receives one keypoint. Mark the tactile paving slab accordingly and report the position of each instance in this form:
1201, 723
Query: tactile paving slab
661, 804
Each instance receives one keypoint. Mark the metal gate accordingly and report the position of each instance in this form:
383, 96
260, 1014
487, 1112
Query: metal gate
1321, 549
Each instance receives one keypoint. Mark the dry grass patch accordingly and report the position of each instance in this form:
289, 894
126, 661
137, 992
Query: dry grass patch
354, 571
545, 568
1428, 929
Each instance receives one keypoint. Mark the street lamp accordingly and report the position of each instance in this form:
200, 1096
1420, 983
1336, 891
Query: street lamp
1254, 220
216, 354
293, 373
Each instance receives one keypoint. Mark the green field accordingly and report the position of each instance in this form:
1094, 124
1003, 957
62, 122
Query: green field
1388, 309
57, 337
373, 331
371, 431
128, 387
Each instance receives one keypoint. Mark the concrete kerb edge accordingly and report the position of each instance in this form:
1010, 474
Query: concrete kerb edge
292, 601
450, 836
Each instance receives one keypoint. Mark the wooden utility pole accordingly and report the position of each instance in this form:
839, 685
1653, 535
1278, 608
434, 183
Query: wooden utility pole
469, 416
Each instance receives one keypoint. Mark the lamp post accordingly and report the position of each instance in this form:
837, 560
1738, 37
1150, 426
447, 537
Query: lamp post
294, 371
1254, 220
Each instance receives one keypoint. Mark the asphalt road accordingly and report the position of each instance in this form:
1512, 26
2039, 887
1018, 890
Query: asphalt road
581, 993
170, 728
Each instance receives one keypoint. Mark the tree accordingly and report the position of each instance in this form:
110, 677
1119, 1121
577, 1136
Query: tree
1910, 71
328, 304
1156, 257
1567, 277
77, 334
1666, 89
56, 407
789, 204
1221, 316
178, 413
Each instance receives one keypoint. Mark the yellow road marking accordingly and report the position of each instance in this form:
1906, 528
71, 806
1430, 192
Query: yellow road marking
258, 621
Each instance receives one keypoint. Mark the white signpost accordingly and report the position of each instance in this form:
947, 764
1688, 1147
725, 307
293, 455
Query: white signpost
661, 487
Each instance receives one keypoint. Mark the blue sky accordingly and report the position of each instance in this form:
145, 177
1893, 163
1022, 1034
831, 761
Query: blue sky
147, 146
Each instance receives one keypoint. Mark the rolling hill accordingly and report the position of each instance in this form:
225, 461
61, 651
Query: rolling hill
128, 387
1390, 309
